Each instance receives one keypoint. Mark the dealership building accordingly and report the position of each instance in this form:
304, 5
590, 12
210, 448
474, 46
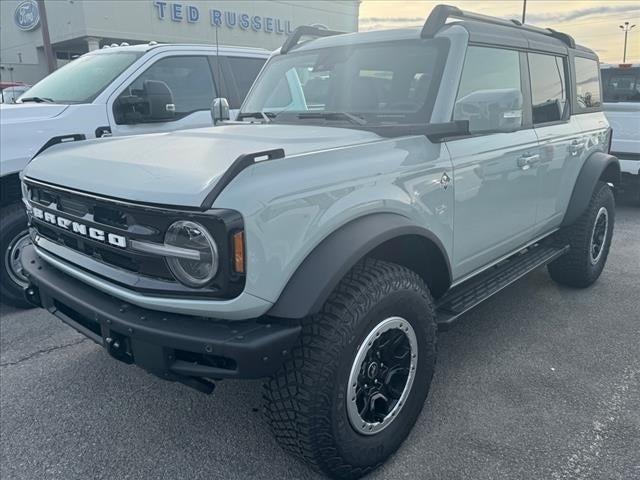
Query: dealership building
78, 26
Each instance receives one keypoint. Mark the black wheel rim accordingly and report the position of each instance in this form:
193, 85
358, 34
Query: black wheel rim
12, 262
599, 236
382, 375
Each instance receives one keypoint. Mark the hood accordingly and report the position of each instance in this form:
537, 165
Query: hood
25, 112
177, 168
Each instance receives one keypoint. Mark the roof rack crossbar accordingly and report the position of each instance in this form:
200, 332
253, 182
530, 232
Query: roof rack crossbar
305, 31
438, 18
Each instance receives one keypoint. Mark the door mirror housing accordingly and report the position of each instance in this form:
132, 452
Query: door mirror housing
160, 100
496, 110
152, 103
220, 110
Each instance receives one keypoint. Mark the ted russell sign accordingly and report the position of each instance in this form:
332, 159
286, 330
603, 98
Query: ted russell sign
179, 12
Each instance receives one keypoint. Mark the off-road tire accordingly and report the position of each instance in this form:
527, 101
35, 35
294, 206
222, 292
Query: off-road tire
305, 401
575, 268
13, 221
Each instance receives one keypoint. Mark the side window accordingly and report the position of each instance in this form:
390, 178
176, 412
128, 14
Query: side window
490, 93
548, 88
587, 83
188, 79
244, 71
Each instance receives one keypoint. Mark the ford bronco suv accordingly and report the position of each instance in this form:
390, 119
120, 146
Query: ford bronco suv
114, 91
374, 187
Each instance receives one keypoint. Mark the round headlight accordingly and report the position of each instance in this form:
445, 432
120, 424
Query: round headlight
196, 262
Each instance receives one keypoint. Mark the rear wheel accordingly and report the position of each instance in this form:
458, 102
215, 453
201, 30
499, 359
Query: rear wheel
14, 236
357, 380
590, 239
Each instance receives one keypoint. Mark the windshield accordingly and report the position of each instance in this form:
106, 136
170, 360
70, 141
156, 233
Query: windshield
81, 80
384, 83
621, 84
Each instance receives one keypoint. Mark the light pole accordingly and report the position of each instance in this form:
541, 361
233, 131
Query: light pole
46, 39
524, 10
626, 28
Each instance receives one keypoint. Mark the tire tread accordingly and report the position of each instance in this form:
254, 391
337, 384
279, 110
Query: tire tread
290, 395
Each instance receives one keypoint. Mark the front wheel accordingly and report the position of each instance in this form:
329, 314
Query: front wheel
356, 382
14, 236
589, 239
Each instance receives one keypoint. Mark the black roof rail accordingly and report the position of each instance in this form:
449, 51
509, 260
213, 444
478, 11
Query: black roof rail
306, 31
439, 15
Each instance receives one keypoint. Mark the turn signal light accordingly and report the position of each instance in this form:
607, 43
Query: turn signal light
238, 252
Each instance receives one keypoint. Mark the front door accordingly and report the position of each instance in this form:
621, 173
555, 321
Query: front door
495, 174
188, 80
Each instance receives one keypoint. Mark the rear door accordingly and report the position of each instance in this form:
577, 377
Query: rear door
562, 147
239, 74
495, 174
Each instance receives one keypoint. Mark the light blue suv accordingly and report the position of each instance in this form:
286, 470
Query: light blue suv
374, 188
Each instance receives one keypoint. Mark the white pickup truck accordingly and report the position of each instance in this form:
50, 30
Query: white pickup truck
120, 90
621, 92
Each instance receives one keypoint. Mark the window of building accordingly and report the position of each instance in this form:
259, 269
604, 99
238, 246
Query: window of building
548, 87
490, 92
189, 79
587, 83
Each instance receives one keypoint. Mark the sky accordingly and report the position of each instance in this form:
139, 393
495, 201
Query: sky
594, 24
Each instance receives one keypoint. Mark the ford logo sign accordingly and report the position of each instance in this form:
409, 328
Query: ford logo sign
27, 15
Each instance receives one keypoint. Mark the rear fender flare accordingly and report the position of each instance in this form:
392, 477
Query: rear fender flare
598, 166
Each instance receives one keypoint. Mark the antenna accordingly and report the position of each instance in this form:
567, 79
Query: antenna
219, 68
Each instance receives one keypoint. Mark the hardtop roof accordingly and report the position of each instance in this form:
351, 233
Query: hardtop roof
481, 29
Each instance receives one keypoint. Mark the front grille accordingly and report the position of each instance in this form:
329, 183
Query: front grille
133, 222
110, 218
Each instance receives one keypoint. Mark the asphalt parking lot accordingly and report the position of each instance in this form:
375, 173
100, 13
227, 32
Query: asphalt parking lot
539, 382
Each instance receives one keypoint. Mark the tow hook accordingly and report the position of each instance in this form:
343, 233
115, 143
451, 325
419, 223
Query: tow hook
202, 385
32, 294
117, 346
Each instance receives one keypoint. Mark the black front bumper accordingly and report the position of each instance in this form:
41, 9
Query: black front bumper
172, 346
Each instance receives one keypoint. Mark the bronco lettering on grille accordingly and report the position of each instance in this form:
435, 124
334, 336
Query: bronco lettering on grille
80, 229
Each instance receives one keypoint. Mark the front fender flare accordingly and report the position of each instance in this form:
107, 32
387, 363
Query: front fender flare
319, 274
598, 165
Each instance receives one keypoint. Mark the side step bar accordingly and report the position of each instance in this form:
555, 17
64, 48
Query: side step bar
467, 295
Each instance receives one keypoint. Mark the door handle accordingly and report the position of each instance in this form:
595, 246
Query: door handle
525, 162
576, 146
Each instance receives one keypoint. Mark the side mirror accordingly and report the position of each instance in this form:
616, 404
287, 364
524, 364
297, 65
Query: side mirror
160, 100
152, 103
498, 110
219, 110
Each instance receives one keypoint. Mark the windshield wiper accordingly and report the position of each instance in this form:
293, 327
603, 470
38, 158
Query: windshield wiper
334, 116
266, 116
37, 100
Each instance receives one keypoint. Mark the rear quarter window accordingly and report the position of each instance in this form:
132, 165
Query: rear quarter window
588, 95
